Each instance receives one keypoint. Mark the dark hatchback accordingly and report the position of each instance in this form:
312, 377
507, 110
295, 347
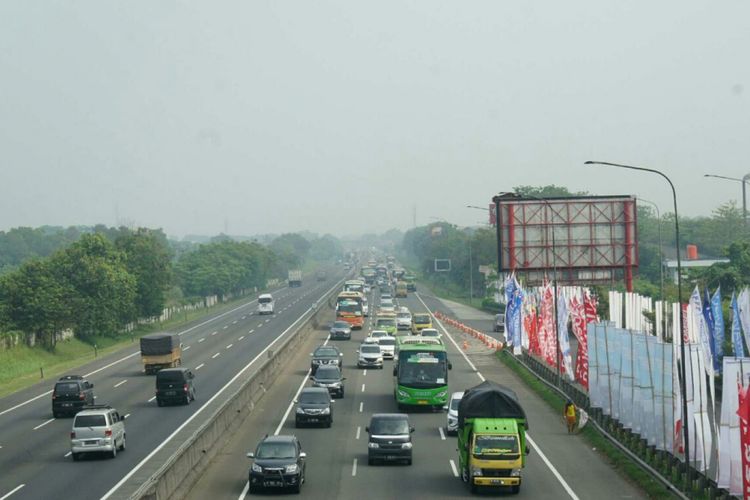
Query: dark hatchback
314, 406
389, 438
174, 385
325, 355
330, 377
278, 462
71, 394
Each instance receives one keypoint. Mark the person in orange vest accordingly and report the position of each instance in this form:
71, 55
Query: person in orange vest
569, 414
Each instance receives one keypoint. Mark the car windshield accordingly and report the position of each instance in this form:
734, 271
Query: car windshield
350, 307
276, 450
164, 376
379, 333
389, 426
370, 349
265, 300
316, 397
387, 341
90, 421
454, 403
386, 322
341, 324
430, 333
328, 372
326, 352
404, 315
421, 318
66, 388
496, 445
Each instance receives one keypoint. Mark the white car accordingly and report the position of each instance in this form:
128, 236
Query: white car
430, 332
376, 334
403, 320
265, 304
365, 307
452, 408
370, 356
98, 428
387, 346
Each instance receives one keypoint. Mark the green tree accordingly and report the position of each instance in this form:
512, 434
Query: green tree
36, 302
148, 258
102, 290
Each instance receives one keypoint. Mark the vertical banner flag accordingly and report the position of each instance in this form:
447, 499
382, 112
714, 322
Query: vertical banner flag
703, 337
578, 318
739, 350
562, 331
743, 301
708, 315
530, 323
515, 317
548, 326
510, 288
744, 413
718, 317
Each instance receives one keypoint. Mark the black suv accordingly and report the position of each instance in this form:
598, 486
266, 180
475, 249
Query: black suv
174, 385
314, 406
330, 378
71, 394
325, 355
278, 462
389, 438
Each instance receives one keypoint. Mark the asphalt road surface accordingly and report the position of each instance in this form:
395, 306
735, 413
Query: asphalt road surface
559, 465
34, 447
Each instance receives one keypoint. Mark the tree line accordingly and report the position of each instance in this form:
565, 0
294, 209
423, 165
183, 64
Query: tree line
95, 282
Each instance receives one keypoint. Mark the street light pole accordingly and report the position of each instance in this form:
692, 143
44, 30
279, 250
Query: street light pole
681, 366
744, 182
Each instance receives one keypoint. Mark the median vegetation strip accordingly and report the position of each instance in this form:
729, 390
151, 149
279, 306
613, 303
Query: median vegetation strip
616, 458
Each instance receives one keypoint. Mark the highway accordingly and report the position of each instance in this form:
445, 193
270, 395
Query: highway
559, 465
34, 448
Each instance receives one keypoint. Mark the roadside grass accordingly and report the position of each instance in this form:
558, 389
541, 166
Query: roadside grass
616, 458
23, 366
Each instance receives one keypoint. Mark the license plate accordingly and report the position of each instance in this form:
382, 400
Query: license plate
312, 419
497, 481
273, 483
391, 457
422, 402
67, 405
90, 442
170, 393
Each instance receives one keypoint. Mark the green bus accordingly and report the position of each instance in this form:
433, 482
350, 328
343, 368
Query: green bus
420, 371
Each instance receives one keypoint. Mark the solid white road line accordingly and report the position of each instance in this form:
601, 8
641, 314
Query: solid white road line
546, 461
200, 366
454, 468
291, 403
442, 434
43, 424
230, 346
118, 384
201, 340
361, 405
216, 355
186, 348
150, 400
12, 491
354, 468
359, 429
205, 405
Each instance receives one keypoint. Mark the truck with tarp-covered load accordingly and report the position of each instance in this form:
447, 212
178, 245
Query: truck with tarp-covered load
492, 445
160, 350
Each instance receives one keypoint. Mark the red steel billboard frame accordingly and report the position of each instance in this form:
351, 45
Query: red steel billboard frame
595, 237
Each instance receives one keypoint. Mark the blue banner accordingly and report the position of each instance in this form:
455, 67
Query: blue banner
739, 350
718, 329
708, 315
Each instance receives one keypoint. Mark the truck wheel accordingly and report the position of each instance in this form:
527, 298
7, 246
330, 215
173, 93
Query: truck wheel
474, 488
515, 489
464, 475
76, 457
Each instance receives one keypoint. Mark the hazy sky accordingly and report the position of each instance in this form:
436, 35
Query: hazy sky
340, 116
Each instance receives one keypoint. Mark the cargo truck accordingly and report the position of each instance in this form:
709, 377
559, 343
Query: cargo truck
491, 437
295, 278
160, 350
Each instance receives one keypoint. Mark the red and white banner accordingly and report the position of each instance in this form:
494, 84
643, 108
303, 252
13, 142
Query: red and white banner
530, 325
744, 413
547, 327
578, 321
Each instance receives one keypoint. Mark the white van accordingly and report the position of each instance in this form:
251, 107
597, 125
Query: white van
265, 304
